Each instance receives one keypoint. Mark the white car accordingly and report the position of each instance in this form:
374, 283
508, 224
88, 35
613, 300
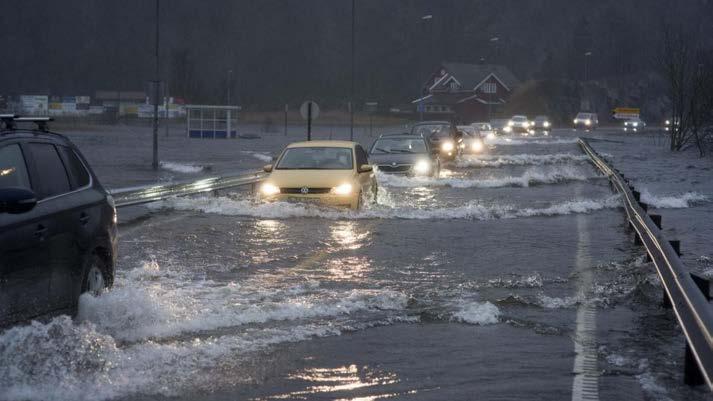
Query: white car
586, 121
634, 124
518, 124
484, 129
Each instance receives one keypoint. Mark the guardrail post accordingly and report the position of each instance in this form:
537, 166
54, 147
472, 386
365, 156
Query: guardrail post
676, 245
644, 206
637, 239
656, 218
692, 374
637, 195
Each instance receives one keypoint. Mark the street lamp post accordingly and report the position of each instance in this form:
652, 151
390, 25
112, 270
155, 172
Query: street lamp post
230, 84
425, 18
154, 164
586, 65
351, 100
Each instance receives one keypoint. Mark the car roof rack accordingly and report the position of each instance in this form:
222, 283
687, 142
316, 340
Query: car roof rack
10, 121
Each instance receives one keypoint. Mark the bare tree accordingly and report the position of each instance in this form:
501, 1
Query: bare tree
688, 73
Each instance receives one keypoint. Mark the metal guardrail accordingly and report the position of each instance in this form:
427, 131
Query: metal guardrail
689, 303
154, 192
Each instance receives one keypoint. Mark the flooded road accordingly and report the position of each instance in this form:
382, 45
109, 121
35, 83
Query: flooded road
511, 276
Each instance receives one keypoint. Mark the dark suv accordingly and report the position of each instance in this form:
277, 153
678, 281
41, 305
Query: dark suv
443, 136
57, 224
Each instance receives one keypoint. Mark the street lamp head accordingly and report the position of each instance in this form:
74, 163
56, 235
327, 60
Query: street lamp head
494, 39
427, 17
588, 53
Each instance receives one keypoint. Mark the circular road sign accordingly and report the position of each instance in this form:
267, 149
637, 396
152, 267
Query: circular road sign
304, 109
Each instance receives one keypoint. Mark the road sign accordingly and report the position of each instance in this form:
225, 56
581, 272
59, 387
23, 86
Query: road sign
626, 112
304, 110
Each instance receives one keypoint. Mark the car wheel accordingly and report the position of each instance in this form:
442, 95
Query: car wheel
375, 193
95, 279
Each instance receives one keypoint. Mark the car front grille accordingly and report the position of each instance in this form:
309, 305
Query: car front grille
311, 191
390, 168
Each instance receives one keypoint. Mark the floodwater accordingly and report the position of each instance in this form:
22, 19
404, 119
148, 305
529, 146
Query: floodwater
511, 276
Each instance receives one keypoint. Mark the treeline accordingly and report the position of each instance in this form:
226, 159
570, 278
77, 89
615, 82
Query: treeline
283, 51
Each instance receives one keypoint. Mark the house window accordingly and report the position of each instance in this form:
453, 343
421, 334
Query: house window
453, 85
490, 87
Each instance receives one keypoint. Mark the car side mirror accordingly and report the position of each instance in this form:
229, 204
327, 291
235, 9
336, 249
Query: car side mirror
267, 168
15, 200
366, 168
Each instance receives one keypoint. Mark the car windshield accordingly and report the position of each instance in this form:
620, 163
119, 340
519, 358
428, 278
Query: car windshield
519, 118
484, 127
583, 116
399, 145
540, 118
316, 158
436, 130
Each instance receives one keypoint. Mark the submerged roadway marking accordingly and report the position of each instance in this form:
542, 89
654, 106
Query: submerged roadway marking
586, 375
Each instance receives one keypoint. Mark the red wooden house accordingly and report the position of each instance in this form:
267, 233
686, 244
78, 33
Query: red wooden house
466, 92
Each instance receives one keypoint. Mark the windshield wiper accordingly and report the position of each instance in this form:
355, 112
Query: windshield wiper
382, 150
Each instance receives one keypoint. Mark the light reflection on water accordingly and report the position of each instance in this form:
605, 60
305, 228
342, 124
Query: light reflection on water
339, 380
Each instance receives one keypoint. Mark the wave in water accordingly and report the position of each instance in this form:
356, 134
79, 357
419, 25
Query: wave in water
672, 201
471, 211
523, 141
533, 176
141, 337
520, 160
479, 313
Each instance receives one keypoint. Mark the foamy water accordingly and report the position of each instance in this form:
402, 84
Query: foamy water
184, 168
262, 156
533, 176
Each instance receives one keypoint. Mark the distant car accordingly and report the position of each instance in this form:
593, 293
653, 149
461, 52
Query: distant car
485, 130
499, 125
404, 154
586, 120
471, 141
442, 136
58, 235
334, 173
668, 123
634, 124
518, 124
542, 124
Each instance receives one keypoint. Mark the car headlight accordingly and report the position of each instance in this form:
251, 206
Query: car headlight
546, 124
588, 122
344, 189
269, 189
635, 124
511, 123
507, 129
490, 136
574, 121
447, 146
477, 145
422, 167
668, 122
526, 124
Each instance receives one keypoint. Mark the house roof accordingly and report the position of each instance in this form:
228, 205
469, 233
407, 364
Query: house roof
472, 75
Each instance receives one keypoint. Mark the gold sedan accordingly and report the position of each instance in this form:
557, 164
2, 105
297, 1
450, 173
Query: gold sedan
335, 173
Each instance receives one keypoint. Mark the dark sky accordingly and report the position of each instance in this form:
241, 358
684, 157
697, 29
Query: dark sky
286, 50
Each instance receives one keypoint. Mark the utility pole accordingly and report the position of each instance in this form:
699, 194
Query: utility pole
423, 90
155, 100
351, 101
